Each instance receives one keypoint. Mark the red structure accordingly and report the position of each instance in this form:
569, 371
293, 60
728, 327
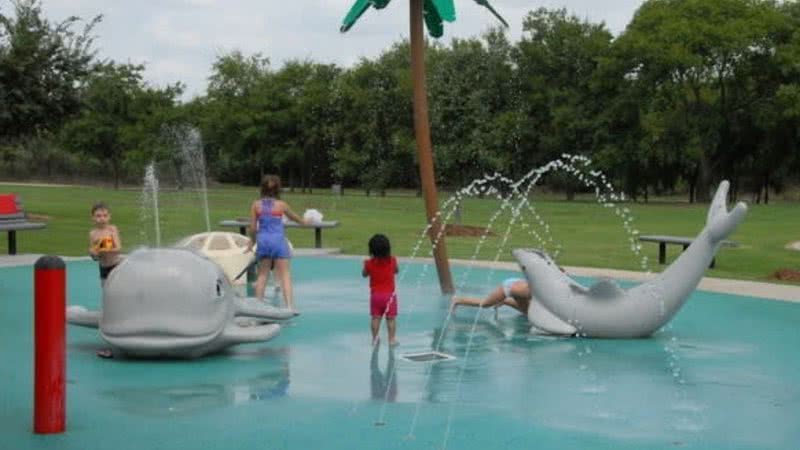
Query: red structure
49, 404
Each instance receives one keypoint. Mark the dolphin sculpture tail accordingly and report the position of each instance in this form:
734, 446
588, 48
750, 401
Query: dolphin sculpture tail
236, 334
561, 305
82, 317
250, 307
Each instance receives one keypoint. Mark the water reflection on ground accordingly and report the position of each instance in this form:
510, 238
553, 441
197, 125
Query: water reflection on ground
179, 397
383, 383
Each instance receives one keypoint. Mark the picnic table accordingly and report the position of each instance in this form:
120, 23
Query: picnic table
13, 218
683, 241
242, 224
12, 226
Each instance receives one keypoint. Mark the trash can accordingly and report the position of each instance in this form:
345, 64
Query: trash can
336, 189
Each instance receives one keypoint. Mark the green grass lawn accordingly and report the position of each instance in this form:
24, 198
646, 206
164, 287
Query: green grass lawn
589, 235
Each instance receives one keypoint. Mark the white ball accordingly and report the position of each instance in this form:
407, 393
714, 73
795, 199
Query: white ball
312, 216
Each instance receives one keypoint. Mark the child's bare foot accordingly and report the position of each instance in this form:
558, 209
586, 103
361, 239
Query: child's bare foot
376, 341
393, 343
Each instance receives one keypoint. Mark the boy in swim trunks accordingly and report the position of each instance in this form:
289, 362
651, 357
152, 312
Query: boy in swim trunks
104, 241
104, 247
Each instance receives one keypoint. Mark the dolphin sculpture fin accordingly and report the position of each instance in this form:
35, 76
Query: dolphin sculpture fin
605, 288
577, 288
545, 322
82, 317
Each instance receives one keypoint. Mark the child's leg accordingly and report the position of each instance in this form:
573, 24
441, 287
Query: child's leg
285, 277
521, 295
263, 275
495, 297
513, 303
391, 328
277, 280
375, 326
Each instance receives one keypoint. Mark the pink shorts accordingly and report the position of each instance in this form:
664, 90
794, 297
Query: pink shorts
383, 302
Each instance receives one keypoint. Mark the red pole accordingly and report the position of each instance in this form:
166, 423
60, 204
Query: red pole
49, 405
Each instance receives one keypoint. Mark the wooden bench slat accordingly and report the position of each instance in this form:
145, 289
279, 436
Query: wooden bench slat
5, 226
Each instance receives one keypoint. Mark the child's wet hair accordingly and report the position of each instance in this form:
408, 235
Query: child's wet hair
379, 246
271, 186
99, 205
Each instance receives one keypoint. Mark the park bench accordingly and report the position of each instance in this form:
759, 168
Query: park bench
242, 224
13, 218
663, 240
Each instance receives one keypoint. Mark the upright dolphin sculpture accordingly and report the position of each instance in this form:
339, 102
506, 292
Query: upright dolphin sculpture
176, 303
563, 306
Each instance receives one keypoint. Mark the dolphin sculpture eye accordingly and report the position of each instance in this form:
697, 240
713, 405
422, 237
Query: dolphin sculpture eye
219, 287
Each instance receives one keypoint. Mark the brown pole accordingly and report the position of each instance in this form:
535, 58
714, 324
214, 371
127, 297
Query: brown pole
424, 153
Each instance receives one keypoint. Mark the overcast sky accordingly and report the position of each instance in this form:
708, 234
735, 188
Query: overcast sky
178, 40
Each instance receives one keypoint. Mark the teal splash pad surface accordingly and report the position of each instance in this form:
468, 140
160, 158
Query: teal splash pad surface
723, 375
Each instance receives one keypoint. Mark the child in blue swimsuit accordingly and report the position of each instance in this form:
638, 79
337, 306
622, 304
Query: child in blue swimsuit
267, 231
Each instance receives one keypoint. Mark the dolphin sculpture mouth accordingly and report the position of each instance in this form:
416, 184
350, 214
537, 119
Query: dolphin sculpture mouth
561, 305
157, 341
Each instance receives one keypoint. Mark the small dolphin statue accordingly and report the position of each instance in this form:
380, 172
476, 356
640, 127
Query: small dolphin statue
173, 302
604, 310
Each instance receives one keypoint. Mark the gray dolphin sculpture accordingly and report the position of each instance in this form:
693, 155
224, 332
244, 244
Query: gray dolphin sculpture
563, 306
176, 303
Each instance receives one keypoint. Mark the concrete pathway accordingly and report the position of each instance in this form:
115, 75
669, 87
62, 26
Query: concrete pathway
775, 291
785, 292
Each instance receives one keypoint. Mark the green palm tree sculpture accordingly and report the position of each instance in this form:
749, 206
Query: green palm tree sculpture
434, 13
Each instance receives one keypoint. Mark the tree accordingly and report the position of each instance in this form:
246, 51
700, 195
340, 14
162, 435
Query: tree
116, 117
42, 68
472, 87
768, 124
559, 58
688, 55
310, 89
243, 117
374, 150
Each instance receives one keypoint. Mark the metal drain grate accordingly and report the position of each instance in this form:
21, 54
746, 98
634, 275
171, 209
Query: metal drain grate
426, 357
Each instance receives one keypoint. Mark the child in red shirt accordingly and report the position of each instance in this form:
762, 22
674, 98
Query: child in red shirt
381, 269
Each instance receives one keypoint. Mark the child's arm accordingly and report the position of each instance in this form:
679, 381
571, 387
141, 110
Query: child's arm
253, 224
92, 247
291, 214
364, 271
116, 239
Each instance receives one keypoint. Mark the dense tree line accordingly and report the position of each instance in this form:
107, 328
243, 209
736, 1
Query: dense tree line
691, 92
